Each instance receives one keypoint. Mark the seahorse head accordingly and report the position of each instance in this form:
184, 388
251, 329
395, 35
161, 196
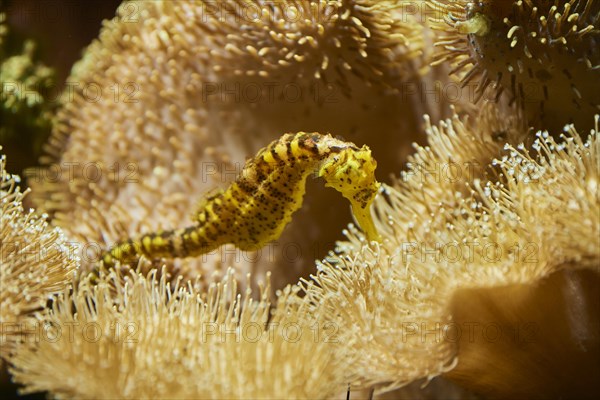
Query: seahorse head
352, 173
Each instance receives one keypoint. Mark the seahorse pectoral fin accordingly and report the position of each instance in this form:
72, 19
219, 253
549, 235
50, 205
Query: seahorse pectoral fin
365, 220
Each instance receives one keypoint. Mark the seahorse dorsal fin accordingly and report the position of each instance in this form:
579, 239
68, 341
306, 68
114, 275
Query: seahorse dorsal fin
208, 197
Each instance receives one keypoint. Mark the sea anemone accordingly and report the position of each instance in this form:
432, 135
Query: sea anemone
543, 54
154, 339
37, 261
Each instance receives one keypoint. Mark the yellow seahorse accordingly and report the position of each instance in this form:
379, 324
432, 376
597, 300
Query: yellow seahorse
255, 209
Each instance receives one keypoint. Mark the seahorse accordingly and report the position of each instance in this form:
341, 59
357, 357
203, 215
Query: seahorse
259, 204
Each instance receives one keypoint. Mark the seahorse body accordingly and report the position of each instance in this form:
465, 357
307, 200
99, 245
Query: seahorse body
255, 209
